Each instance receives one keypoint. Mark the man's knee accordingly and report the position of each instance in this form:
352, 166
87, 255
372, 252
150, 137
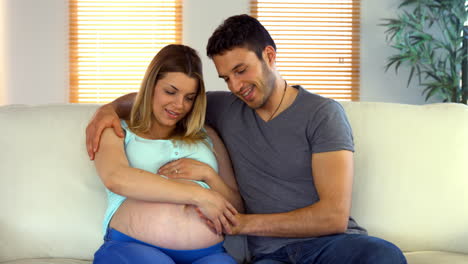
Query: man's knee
376, 250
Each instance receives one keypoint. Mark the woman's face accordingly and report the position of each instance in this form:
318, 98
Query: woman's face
173, 99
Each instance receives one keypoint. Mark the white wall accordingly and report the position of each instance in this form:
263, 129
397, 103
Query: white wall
199, 24
36, 51
376, 84
3, 74
34, 56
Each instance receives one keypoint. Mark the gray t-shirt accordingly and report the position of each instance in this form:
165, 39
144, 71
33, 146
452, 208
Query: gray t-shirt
272, 160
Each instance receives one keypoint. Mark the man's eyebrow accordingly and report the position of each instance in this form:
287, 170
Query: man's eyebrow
233, 69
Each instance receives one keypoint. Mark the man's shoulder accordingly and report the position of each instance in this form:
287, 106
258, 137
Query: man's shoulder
312, 103
221, 99
220, 104
218, 94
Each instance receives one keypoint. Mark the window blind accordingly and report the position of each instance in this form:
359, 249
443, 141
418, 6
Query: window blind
113, 41
317, 43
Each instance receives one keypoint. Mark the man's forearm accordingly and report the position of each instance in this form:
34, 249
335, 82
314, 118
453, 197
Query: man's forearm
123, 105
310, 221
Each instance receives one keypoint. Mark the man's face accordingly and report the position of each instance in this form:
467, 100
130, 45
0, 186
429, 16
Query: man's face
249, 78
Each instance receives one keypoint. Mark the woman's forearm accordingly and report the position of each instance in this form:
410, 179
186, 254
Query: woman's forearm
142, 185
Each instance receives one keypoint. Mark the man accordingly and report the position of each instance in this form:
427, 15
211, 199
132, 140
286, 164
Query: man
292, 152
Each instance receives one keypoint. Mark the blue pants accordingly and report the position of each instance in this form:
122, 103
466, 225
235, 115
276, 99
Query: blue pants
339, 249
118, 248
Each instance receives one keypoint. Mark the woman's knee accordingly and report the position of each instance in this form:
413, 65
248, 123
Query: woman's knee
127, 252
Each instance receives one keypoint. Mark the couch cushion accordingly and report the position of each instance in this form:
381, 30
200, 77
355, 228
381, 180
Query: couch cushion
411, 178
436, 257
48, 261
51, 198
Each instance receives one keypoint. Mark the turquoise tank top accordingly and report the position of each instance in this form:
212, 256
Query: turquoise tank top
150, 155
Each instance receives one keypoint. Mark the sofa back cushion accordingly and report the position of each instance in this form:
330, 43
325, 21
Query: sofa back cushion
409, 186
51, 199
411, 176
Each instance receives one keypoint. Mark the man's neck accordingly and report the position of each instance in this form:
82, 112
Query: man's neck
280, 99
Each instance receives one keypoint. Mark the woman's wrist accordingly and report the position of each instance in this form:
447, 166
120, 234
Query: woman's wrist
210, 177
199, 196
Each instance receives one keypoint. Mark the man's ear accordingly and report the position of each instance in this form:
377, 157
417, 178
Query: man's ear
269, 55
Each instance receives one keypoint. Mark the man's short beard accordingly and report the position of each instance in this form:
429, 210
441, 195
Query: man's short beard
268, 82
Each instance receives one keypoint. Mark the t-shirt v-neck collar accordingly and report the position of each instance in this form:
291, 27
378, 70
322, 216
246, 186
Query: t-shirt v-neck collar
282, 113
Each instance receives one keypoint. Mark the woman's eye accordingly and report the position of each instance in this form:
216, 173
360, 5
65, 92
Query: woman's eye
169, 92
190, 99
241, 71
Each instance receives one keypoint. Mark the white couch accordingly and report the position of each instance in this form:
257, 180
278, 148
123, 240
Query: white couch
410, 187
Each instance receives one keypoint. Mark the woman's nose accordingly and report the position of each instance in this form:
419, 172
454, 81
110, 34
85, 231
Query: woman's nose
179, 101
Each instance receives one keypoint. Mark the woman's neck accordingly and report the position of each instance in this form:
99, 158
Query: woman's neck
157, 132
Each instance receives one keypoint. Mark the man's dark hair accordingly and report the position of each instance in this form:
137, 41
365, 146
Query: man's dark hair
239, 31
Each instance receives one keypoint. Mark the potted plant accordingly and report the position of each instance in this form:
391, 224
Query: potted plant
428, 35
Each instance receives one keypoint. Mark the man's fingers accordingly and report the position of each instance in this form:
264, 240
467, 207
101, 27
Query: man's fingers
97, 137
89, 145
118, 128
231, 218
232, 209
230, 214
226, 225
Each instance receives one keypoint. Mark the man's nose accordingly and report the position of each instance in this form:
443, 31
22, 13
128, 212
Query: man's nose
235, 85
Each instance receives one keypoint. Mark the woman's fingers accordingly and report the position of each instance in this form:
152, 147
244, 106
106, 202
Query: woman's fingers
220, 224
185, 168
170, 169
218, 227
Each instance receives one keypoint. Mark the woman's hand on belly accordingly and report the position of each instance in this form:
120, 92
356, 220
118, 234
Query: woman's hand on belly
214, 207
188, 169
191, 169
218, 210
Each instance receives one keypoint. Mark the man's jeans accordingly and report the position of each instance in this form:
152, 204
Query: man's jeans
339, 249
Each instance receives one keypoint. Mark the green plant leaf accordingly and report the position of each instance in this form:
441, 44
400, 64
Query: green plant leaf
410, 76
426, 36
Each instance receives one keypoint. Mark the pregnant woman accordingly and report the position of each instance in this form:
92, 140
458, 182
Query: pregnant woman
152, 218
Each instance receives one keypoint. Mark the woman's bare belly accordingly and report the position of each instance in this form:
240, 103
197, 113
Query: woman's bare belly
165, 225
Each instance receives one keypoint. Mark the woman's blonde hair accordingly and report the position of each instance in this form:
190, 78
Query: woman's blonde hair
172, 58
